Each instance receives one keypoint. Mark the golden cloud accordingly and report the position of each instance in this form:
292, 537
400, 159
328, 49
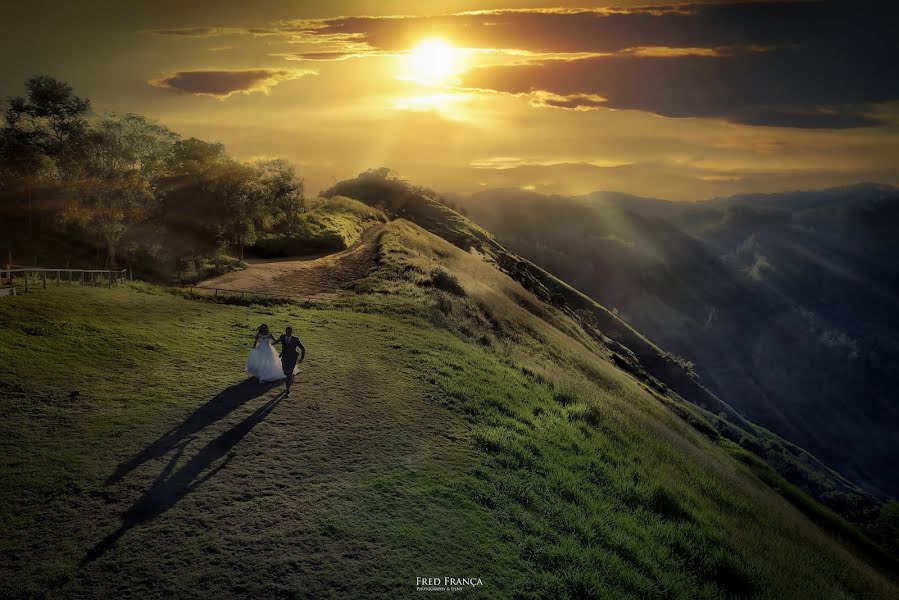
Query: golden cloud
225, 83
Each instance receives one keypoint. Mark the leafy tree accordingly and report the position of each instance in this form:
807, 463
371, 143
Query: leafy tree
282, 188
42, 135
196, 158
125, 159
240, 199
57, 121
22, 158
118, 171
110, 203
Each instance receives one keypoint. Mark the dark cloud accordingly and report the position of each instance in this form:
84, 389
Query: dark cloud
791, 64
222, 84
190, 31
610, 30
792, 87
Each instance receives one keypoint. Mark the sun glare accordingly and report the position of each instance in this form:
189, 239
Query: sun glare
433, 62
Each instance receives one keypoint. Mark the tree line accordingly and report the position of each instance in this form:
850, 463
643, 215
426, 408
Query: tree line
114, 178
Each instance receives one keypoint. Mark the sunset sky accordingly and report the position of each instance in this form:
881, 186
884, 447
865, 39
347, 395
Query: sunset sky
686, 101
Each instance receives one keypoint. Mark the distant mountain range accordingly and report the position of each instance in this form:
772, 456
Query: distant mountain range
787, 304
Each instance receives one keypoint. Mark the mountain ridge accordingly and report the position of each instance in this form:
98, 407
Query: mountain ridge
695, 276
627, 348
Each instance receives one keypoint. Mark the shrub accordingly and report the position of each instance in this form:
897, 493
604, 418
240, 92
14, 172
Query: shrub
664, 503
588, 413
566, 397
447, 282
194, 269
299, 244
444, 305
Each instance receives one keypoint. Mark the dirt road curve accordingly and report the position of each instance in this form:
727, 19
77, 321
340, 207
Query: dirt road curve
305, 277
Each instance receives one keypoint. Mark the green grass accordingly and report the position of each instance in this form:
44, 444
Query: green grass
327, 224
406, 450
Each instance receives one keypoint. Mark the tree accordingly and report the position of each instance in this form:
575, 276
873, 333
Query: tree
42, 135
58, 120
229, 195
283, 190
110, 203
22, 159
126, 157
196, 158
241, 203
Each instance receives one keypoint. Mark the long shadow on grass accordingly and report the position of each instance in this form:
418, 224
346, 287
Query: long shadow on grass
214, 410
170, 487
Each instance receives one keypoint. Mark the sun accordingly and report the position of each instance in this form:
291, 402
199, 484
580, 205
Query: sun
434, 61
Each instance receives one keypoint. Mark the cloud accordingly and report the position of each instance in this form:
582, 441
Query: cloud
225, 83
793, 87
824, 64
697, 26
572, 102
210, 32
198, 32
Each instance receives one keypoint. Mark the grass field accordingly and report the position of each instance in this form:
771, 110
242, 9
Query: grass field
446, 423
138, 462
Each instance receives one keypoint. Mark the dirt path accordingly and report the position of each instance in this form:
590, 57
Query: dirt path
305, 277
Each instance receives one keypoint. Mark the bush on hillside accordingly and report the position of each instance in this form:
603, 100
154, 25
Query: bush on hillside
299, 244
329, 225
192, 270
447, 282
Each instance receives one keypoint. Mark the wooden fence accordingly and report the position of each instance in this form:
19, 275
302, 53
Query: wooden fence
30, 277
215, 291
62, 276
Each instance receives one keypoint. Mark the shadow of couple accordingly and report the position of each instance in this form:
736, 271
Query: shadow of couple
171, 484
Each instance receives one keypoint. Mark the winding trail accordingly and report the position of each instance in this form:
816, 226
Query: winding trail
308, 276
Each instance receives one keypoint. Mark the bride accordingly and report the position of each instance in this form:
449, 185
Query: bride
263, 362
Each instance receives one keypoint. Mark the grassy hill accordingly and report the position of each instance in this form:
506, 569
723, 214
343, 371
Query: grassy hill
785, 303
449, 421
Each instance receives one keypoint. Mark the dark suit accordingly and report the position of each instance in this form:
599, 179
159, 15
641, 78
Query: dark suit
289, 355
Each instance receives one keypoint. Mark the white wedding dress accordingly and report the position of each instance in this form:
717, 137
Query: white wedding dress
263, 362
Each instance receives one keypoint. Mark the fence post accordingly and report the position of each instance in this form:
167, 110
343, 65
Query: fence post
26, 281
44, 278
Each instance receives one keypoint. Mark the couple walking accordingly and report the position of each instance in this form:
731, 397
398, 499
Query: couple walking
263, 362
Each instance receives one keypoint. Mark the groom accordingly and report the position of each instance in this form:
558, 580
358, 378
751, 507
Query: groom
289, 345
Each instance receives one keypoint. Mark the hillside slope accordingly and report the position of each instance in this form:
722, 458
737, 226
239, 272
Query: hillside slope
448, 422
786, 303
666, 374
